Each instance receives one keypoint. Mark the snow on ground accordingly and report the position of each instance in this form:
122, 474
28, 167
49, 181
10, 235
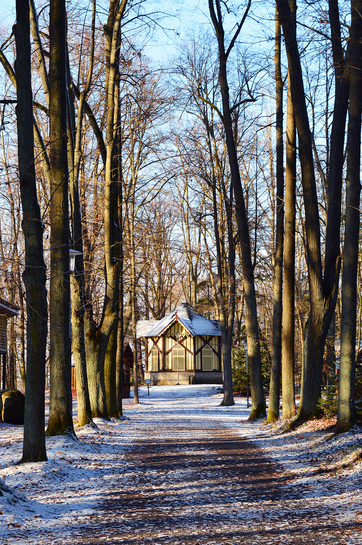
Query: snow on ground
51, 496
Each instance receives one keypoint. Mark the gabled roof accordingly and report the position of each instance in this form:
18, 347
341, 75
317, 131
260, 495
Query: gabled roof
186, 315
8, 309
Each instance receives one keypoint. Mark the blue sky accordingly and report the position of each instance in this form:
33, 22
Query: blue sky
177, 21
7, 12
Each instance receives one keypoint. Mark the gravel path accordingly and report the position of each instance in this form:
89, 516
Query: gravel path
192, 481
186, 471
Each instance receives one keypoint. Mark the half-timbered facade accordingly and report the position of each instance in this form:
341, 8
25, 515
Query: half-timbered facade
183, 348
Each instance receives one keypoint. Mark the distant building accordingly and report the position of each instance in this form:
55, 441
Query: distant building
7, 310
183, 347
126, 381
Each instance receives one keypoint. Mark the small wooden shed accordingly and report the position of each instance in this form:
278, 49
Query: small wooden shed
182, 348
7, 310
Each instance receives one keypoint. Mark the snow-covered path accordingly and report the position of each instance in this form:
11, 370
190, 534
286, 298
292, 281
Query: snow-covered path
182, 470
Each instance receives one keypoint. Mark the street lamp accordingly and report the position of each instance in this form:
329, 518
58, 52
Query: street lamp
247, 374
72, 255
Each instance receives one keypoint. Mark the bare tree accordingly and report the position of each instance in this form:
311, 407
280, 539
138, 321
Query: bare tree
60, 407
322, 289
346, 408
288, 336
258, 401
35, 273
100, 353
273, 409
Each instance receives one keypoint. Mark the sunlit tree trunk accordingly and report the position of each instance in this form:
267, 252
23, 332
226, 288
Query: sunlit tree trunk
225, 293
34, 276
110, 365
273, 408
288, 333
132, 248
256, 383
100, 340
120, 360
77, 281
60, 406
322, 291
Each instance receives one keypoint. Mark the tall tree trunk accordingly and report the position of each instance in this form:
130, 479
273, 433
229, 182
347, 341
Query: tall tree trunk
288, 333
346, 409
341, 81
225, 301
273, 409
110, 364
133, 296
99, 352
96, 345
78, 349
34, 276
110, 373
77, 280
60, 408
256, 383
230, 307
120, 325
314, 345
322, 292
120, 362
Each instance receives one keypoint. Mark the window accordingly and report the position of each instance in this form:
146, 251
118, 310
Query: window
207, 364
178, 358
154, 358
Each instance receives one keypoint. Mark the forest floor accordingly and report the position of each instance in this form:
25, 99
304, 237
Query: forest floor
181, 469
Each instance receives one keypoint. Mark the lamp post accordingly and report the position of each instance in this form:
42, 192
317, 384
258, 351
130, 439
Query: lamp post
72, 255
247, 374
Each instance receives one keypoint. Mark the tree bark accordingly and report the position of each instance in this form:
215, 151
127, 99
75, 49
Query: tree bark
60, 407
256, 384
226, 301
288, 334
346, 410
100, 353
34, 276
133, 292
335, 177
273, 409
322, 294
77, 280
120, 362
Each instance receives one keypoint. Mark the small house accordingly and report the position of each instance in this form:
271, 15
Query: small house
7, 310
182, 348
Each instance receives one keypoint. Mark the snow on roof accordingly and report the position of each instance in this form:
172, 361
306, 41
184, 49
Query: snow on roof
8, 309
185, 314
145, 325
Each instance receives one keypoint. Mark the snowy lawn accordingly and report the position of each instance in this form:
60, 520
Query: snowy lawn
45, 501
